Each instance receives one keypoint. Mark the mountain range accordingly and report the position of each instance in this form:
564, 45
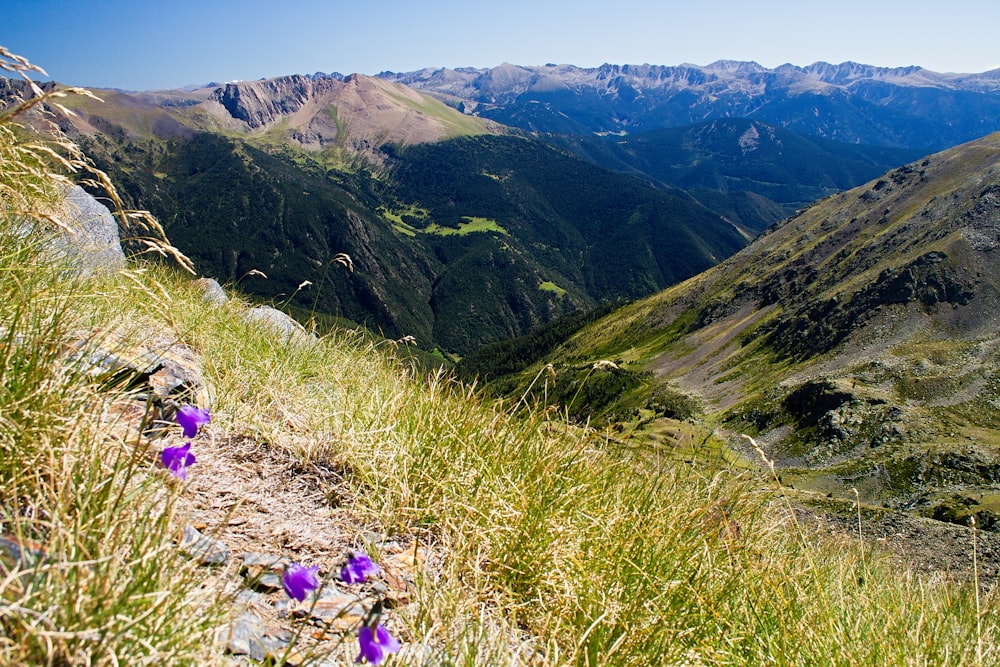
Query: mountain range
462, 230
908, 107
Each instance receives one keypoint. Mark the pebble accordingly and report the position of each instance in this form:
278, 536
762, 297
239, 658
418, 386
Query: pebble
263, 571
245, 637
332, 604
207, 550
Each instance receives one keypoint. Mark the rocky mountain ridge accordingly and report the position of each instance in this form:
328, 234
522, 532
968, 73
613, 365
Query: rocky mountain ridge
340, 117
906, 106
456, 243
327, 110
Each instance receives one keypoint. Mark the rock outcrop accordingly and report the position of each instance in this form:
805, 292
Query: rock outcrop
260, 103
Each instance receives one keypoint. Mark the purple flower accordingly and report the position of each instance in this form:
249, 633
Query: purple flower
375, 645
177, 460
190, 418
299, 580
358, 566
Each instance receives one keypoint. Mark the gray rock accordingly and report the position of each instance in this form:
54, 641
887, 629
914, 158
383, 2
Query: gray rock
204, 548
88, 236
249, 598
266, 560
263, 571
212, 291
245, 637
281, 324
249, 635
331, 604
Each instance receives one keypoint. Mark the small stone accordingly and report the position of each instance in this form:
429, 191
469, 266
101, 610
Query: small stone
281, 324
293, 657
263, 571
267, 582
274, 643
205, 549
257, 558
245, 637
252, 598
330, 606
211, 291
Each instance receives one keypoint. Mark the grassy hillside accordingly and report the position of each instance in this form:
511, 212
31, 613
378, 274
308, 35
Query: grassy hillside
533, 542
857, 340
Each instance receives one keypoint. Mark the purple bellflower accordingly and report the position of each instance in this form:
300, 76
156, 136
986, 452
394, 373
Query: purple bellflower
177, 460
375, 643
191, 418
299, 581
358, 567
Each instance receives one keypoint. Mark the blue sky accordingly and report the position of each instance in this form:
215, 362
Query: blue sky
144, 45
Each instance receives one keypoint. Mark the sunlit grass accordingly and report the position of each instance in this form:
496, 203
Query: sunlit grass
89, 573
470, 225
563, 547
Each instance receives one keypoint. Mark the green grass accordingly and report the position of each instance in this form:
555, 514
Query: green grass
422, 224
411, 211
471, 225
458, 124
557, 544
549, 286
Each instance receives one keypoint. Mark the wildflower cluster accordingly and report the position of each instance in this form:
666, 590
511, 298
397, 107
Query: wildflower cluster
374, 640
178, 459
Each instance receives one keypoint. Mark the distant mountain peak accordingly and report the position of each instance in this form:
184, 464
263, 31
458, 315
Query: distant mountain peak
736, 66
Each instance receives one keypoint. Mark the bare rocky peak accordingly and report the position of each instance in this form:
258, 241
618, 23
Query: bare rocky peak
360, 113
259, 103
850, 102
736, 67
507, 79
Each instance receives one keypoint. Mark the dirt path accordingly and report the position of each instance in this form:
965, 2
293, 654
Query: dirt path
266, 508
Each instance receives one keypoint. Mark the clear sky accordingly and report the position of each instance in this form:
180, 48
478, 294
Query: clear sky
144, 45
